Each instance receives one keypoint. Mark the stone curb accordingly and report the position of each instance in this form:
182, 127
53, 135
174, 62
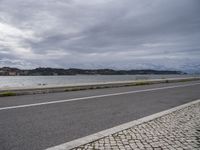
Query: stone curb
104, 133
41, 90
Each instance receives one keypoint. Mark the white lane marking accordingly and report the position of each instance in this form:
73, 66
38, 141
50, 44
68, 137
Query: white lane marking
97, 96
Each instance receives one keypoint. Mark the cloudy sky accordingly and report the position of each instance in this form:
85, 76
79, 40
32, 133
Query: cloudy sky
118, 34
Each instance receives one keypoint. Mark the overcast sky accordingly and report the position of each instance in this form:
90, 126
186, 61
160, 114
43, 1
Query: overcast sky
118, 34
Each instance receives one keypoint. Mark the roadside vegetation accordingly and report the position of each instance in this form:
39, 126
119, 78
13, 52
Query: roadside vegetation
4, 94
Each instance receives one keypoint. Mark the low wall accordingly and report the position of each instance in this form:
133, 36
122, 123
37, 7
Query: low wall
40, 90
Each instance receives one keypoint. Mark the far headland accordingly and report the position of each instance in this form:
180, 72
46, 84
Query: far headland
8, 71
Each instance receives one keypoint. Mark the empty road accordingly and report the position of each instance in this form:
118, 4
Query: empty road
36, 122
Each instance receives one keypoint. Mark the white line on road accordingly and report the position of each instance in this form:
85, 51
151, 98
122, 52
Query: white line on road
97, 96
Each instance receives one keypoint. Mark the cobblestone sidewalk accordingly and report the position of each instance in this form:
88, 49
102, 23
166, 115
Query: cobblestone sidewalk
179, 130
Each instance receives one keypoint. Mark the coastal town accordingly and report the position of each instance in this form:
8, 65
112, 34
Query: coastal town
7, 71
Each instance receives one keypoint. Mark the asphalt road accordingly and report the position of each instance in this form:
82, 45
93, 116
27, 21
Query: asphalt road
53, 120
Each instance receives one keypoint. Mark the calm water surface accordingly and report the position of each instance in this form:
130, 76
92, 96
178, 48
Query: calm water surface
38, 81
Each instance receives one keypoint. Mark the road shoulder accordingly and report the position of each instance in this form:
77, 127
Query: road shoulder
178, 127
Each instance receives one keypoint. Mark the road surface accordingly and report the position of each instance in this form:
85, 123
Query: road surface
36, 122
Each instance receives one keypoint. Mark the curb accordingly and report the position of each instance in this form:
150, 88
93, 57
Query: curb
104, 133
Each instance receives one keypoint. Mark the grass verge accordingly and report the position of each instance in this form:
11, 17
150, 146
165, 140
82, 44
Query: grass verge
4, 94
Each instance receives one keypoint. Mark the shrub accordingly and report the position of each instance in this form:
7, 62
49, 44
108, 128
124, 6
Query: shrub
4, 94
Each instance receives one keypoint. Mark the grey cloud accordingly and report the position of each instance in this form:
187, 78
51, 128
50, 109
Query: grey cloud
105, 33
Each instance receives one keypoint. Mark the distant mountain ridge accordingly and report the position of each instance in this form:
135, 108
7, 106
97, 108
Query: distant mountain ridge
74, 71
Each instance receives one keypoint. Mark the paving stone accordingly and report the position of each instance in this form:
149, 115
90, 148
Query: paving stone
176, 131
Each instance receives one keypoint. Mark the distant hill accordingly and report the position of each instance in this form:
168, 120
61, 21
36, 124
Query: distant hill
74, 71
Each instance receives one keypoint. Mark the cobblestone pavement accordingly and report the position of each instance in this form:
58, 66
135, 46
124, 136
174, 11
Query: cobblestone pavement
179, 130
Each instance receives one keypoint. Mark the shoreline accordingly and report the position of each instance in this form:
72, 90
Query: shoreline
90, 86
